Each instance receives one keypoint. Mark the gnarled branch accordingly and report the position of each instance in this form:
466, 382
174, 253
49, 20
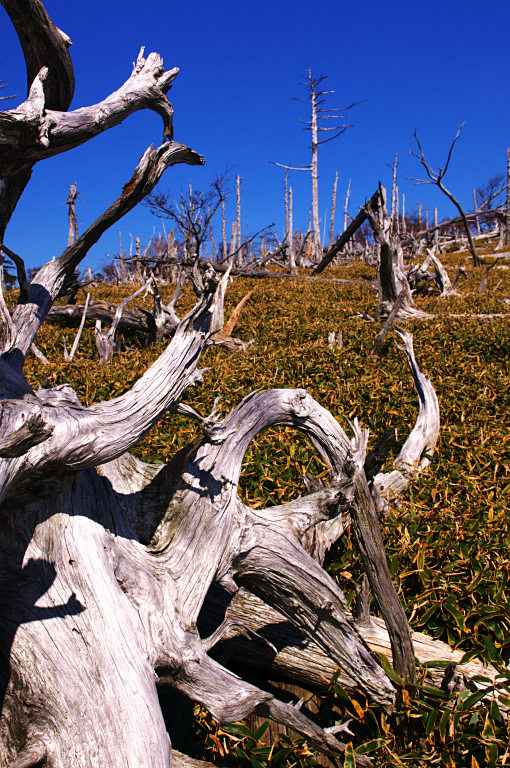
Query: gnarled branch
33, 132
47, 283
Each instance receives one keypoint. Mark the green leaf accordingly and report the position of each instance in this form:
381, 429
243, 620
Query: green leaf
443, 724
238, 730
468, 656
257, 735
474, 699
454, 611
349, 760
388, 669
370, 746
430, 722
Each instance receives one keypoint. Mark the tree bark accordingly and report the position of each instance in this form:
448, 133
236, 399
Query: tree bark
314, 171
391, 275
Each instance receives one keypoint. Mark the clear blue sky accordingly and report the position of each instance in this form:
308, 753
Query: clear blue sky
429, 66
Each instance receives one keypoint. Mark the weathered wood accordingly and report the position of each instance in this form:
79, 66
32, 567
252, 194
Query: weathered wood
106, 561
71, 314
34, 131
47, 283
69, 356
333, 209
482, 288
73, 221
391, 276
397, 306
275, 647
33, 432
105, 340
44, 45
346, 236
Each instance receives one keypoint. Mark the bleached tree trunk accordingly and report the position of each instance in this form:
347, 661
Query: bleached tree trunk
346, 206
333, 209
286, 193
391, 276
223, 231
437, 248
238, 208
394, 192
478, 228
315, 172
292, 253
73, 221
233, 239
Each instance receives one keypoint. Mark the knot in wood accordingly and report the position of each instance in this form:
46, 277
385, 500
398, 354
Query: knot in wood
300, 403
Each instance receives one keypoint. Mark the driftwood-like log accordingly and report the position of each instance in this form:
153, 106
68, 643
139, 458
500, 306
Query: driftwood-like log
133, 319
274, 647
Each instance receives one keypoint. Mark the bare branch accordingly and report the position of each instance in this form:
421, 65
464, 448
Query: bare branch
436, 177
68, 357
33, 432
44, 45
20, 268
47, 283
291, 167
32, 132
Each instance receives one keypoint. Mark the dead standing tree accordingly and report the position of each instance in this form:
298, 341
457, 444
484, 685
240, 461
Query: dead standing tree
192, 213
73, 220
319, 113
391, 276
436, 176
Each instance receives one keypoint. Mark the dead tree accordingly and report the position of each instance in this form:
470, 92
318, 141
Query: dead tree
318, 113
333, 210
107, 562
349, 232
192, 213
105, 340
73, 220
391, 276
420, 279
436, 177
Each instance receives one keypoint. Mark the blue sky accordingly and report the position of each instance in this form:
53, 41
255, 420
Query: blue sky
429, 66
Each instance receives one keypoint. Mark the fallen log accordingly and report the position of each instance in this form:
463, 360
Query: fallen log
273, 646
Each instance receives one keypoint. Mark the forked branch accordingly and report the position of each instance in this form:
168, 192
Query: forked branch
33, 132
435, 176
50, 280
